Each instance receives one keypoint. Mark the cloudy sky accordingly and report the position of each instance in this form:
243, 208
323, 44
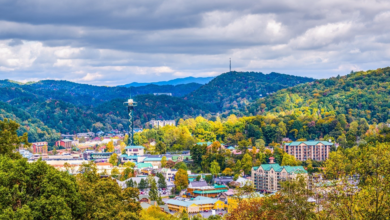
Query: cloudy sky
121, 41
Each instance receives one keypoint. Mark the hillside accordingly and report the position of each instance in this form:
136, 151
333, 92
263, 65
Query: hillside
234, 90
67, 107
36, 129
179, 81
363, 94
83, 94
153, 107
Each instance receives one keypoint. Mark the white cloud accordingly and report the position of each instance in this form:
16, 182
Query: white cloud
124, 41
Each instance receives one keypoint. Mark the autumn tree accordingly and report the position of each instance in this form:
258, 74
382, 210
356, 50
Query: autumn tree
336, 164
238, 167
110, 146
247, 163
161, 148
28, 189
163, 161
290, 160
126, 139
227, 172
215, 168
170, 164
9, 139
181, 179
113, 159
129, 164
104, 198
115, 172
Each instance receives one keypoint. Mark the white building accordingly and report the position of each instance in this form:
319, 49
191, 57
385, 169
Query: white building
162, 123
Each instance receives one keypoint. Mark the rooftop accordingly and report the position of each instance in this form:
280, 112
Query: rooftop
66, 140
207, 143
200, 200
198, 184
144, 165
134, 147
278, 168
309, 143
210, 191
153, 159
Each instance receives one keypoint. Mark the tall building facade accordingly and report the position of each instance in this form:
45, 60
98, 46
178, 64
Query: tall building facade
304, 150
267, 177
162, 123
39, 147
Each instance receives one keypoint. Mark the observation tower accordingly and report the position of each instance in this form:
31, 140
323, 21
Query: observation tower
130, 109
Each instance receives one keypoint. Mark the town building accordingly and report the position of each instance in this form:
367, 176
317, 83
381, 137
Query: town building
162, 123
39, 147
134, 150
200, 188
66, 143
196, 205
267, 177
223, 180
304, 150
97, 156
169, 174
162, 93
133, 154
25, 153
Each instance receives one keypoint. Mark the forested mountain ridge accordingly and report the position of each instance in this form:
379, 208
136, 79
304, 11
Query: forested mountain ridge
234, 90
35, 128
83, 94
363, 94
151, 107
178, 81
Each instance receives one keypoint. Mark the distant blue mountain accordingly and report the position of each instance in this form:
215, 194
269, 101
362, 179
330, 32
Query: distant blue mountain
199, 80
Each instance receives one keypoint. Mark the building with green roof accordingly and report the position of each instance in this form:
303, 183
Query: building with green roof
144, 165
304, 150
267, 177
196, 205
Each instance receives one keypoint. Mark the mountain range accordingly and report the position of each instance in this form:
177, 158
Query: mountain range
174, 82
47, 108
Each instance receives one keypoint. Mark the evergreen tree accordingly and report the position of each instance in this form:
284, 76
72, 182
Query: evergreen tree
130, 183
161, 181
142, 184
153, 193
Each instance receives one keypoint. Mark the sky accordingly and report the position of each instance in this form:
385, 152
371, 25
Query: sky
122, 41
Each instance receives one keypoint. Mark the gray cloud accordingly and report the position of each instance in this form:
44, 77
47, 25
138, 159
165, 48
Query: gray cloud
116, 42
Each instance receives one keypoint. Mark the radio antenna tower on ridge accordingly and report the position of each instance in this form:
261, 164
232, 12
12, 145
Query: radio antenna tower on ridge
230, 64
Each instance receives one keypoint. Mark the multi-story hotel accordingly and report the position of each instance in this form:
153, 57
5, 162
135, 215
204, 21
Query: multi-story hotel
162, 123
314, 150
267, 177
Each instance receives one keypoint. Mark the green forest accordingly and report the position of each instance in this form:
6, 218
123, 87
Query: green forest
68, 107
234, 90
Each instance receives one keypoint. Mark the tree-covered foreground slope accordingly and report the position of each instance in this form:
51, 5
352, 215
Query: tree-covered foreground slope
39, 191
233, 90
363, 94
